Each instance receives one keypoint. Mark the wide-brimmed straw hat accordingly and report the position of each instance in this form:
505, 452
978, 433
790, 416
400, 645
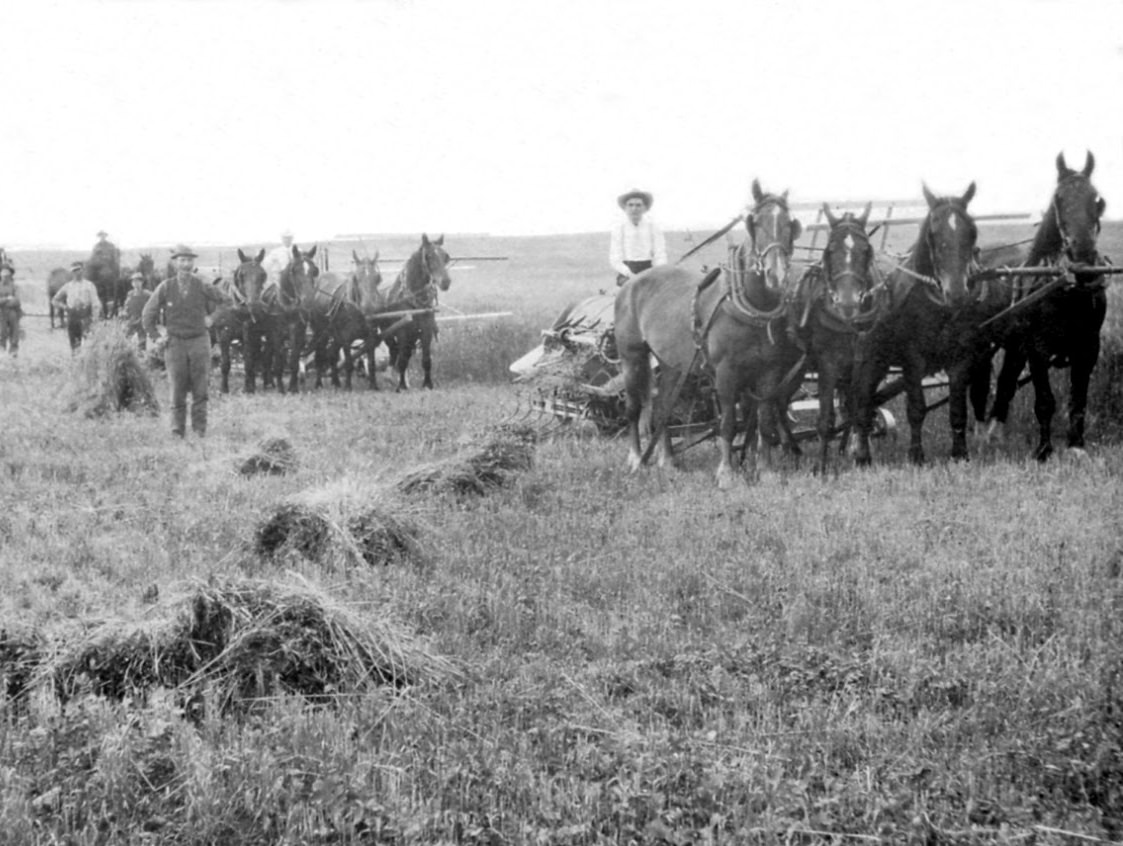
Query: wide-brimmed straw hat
136, 275
183, 250
77, 265
622, 200
102, 233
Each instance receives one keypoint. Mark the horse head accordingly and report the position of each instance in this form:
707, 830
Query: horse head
945, 250
847, 263
250, 276
146, 266
434, 262
365, 282
772, 234
298, 280
1072, 224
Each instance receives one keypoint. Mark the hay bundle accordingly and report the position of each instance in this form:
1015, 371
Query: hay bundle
274, 456
109, 376
340, 526
503, 452
239, 641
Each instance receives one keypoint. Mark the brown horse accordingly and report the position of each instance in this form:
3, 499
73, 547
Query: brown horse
366, 295
1063, 328
424, 274
256, 320
834, 302
931, 322
734, 327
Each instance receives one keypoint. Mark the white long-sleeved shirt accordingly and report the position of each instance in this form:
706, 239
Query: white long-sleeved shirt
77, 293
275, 262
636, 242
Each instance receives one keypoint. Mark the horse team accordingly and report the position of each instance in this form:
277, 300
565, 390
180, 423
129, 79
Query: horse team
853, 315
329, 316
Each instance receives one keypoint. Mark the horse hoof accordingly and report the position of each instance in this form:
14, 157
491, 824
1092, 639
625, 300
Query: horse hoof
1078, 453
1043, 452
634, 463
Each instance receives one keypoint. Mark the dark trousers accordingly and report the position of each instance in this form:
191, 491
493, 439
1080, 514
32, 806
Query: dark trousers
77, 325
635, 267
188, 361
9, 330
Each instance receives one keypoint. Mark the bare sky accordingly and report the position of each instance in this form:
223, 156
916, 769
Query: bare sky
226, 122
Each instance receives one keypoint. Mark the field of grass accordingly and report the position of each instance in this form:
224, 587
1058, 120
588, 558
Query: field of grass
904, 655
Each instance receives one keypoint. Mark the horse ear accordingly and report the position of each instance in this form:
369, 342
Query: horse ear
440, 241
355, 256
1089, 164
1062, 167
1101, 206
969, 193
832, 221
295, 252
242, 256
425, 239
797, 229
864, 218
758, 195
260, 256
375, 255
312, 252
929, 197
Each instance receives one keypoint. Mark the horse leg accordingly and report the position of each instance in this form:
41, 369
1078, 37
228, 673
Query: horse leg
726, 387
636, 368
1080, 374
916, 408
371, 346
296, 341
959, 380
868, 373
1044, 404
348, 363
979, 387
427, 358
662, 407
405, 351
828, 383
249, 356
224, 364
1013, 361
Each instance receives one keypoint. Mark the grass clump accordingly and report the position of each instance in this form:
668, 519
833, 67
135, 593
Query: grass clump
274, 456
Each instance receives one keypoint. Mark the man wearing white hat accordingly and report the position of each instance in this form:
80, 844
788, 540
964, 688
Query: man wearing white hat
79, 298
637, 243
277, 259
186, 301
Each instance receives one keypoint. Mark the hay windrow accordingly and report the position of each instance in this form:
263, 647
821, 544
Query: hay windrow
109, 376
239, 641
502, 453
21, 651
344, 525
274, 456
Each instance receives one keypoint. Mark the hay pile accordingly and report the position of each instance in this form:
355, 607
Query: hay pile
237, 641
341, 526
109, 376
274, 456
500, 455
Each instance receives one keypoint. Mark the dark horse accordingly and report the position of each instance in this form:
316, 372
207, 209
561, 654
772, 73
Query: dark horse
833, 303
931, 323
339, 319
297, 297
424, 274
734, 326
1063, 328
55, 280
256, 321
104, 269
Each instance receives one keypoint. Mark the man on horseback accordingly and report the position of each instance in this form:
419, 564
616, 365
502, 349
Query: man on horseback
637, 243
79, 297
276, 260
10, 310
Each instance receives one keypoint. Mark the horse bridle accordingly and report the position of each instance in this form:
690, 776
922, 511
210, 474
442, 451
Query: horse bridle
1066, 239
854, 228
757, 257
934, 280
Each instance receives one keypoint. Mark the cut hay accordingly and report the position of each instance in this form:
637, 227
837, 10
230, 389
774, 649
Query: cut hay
109, 376
274, 456
236, 642
341, 526
503, 453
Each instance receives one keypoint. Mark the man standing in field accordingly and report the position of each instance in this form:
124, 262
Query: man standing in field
186, 301
79, 298
277, 260
637, 243
10, 310
134, 309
